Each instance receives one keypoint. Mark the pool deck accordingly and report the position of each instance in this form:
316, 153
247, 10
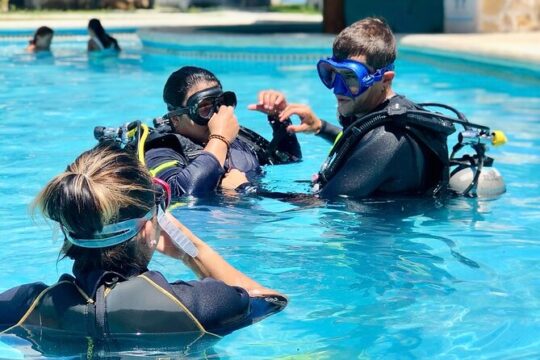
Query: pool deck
510, 47
521, 47
151, 18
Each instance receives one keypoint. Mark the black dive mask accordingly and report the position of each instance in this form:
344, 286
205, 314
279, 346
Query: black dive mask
202, 105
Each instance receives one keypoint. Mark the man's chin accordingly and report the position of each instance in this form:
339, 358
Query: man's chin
344, 112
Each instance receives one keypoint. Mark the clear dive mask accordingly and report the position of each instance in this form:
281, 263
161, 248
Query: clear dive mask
117, 233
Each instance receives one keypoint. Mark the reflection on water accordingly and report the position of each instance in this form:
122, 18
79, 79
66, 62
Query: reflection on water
363, 264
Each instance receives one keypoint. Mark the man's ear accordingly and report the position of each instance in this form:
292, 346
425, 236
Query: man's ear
388, 77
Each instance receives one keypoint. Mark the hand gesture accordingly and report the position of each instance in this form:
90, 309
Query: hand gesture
309, 122
224, 123
270, 102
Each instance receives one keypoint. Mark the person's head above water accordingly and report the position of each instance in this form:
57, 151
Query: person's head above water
96, 30
42, 39
361, 69
182, 83
193, 95
111, 212
100, 37
105, 203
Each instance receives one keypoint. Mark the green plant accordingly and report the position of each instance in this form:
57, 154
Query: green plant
303, 9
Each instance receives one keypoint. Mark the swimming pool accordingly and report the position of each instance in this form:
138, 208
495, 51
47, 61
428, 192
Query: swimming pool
373, 279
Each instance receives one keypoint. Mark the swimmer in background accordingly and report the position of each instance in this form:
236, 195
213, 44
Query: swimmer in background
99, 39
42, 40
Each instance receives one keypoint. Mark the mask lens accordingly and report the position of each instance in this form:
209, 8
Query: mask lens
326, 73
351, 80
206, 108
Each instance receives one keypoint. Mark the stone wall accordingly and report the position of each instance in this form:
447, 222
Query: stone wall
509, 15
491, 15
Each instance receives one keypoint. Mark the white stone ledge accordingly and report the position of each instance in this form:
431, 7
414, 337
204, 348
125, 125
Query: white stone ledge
521, 47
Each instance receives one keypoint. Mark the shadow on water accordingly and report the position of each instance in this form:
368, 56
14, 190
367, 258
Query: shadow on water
398, 260
372, 221
35, 342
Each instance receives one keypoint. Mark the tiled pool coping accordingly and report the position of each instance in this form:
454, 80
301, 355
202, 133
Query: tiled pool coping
493, 50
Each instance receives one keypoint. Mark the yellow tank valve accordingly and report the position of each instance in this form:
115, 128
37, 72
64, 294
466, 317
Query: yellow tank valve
498, 138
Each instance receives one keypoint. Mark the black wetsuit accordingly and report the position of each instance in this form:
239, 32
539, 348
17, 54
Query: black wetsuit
219, 308
200, 176
389, 159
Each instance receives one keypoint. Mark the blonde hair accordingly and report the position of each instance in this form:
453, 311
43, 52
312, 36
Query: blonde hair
102, 186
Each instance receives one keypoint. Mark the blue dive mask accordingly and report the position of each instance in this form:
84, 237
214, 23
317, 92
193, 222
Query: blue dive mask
348, 77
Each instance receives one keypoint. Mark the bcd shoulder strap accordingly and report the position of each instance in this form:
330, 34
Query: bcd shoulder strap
180, 144
430, 128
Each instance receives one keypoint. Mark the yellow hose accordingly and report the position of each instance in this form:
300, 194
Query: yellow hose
140, 145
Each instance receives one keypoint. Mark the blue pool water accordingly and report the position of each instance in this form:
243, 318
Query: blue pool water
399, 279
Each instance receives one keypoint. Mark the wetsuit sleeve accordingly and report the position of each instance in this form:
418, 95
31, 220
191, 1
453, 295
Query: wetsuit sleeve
15, 302
382, 160
328, 131
284, 145
221, 308
198, 178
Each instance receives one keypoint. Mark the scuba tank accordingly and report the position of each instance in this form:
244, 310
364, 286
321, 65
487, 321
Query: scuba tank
468, 175
474, 175
490, 182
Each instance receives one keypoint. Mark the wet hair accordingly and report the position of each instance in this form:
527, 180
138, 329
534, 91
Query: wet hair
106, 40
371, 37
104, 185
181, 81
41, 31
